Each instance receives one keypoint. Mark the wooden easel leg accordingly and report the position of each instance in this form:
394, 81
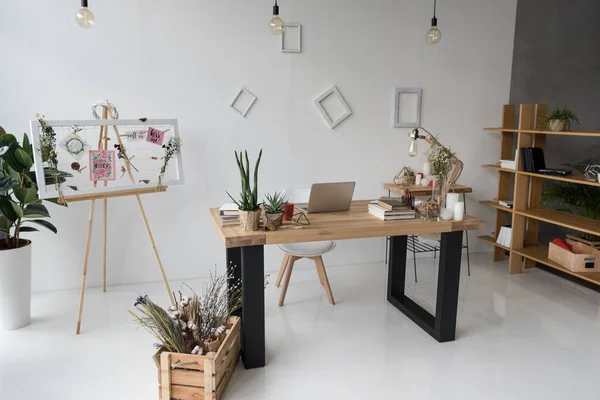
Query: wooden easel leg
160, 265
85, 266
104, 245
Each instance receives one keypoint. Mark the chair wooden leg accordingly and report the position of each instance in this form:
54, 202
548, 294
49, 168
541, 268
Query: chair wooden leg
286, 280
319, 271
284, 264
323, 274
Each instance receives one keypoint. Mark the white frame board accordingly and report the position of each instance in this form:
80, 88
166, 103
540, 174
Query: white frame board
331, 123
291, 25
417, 120
110, 123
245, 112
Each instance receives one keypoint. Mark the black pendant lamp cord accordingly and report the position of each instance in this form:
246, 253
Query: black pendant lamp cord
84, 3
275, 9
434, 19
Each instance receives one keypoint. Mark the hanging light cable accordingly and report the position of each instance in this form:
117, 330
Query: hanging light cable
85, 18
433, 34
276, 25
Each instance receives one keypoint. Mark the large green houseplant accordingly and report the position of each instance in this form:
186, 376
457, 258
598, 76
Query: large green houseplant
248, 204
21, 211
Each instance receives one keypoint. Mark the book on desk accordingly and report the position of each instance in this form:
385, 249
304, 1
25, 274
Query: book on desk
391, 210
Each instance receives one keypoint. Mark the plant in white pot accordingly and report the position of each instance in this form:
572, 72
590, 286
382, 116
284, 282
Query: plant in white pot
248, 205
21, 211
559, 119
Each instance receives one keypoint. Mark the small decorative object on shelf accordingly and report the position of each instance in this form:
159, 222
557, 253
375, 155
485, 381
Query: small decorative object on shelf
250, 210
459, 211
559, 119
172, 148
430, 211
274, 206
198, 341
592, 173
406, 176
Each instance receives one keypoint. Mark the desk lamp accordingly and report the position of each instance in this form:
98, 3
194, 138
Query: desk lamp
413, 150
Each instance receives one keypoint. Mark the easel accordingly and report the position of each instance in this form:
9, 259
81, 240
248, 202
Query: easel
103, 145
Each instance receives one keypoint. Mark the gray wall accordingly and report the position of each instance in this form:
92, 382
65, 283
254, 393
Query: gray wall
557, 60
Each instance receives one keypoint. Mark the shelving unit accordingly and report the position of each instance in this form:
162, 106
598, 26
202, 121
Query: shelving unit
527, 213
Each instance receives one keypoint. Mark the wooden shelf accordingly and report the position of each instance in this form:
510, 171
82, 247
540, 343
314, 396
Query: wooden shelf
579, 179
563, 219
542, 132
498, 168
491, 240
540, 254
495, 204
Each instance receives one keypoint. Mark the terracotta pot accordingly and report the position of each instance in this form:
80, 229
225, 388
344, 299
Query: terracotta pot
250, 220
275, 219
558, 125
15, 286
289, 211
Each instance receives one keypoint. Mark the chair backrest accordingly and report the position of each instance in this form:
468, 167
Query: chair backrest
297, 196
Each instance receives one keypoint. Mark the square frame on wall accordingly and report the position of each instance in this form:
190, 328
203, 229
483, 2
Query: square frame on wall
243, 111
415, 119
295, 27
329, 120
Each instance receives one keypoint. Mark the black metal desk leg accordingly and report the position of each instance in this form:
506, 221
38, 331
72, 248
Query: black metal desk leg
234, 271
448, 284
467, 239
253, 309
397, 266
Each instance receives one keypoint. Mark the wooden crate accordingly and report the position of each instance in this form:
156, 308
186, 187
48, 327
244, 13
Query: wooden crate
583, 258
190, 377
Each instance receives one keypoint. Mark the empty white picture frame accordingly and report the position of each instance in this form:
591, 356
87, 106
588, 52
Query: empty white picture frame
332, 107
407, 107
291, 38
243, 102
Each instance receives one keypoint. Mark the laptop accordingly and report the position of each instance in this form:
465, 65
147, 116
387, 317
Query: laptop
329, 197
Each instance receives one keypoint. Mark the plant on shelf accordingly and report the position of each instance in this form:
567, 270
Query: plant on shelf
559, 119
406, 176
248, 203
172, 148
21, 211
576, 198
440, 159
274, 205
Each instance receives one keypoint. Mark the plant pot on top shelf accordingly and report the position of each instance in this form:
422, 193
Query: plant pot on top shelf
559, 119
558, 125
405, 177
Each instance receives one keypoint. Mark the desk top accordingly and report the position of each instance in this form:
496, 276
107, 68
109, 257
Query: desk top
419, 190
356, 223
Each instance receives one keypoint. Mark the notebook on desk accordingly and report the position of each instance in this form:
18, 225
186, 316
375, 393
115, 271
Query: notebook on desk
329, 197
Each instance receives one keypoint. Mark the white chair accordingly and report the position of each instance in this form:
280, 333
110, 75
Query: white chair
296, 251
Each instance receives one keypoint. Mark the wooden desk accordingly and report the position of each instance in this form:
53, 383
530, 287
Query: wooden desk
419, 190
245, 260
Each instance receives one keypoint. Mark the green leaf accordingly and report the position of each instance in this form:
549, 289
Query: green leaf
17, 208
7, 182
7, 139
36, 210
55, 201
44, 223
6, 206
27, 146
11, 172
2, 131
26, 195
28, 229
23, 159
5, 224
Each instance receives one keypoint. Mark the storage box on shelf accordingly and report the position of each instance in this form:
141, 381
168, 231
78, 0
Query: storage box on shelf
582, 259
191, 377
527, 211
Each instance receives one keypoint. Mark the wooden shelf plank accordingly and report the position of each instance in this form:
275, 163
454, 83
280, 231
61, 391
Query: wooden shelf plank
498, 168
495, 204
491, 240
541, 132
540, 254
580, 179
563, 219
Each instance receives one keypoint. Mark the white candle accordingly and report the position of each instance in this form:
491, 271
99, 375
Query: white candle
459, 211
418, 179
447, 214
451, 200
426, 169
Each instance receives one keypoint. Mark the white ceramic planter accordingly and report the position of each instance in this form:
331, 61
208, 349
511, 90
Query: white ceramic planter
15, 287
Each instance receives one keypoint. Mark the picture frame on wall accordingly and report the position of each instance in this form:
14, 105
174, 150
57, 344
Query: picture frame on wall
333, 107
407, 107
291, 38
243, 101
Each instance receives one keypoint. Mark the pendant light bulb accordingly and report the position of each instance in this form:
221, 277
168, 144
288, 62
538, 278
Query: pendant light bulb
85, 18
433, 34
276, 25
413, 150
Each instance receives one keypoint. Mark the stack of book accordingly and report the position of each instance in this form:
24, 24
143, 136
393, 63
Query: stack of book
506, 203
504, 236
508, 164
532, 159
391, 210
230, 215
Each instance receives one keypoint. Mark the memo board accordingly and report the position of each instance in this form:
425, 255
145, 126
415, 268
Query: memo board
97, 172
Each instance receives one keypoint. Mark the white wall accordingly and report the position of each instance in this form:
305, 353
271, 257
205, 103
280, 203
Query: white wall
187, 58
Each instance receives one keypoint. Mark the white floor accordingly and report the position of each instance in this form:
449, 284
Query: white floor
532, 336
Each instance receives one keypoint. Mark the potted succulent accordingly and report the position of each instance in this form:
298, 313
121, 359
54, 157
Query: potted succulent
21, 211
248, 205
274, 206
406, 176
559, 119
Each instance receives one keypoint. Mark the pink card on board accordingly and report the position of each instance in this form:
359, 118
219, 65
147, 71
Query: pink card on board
155, 136
102, 165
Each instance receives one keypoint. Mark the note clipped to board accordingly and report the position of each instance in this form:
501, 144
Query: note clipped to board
102, 165
155, 136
